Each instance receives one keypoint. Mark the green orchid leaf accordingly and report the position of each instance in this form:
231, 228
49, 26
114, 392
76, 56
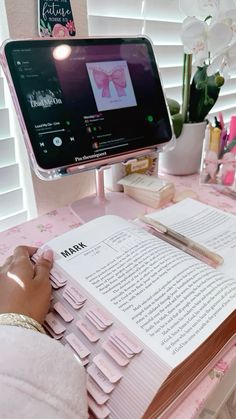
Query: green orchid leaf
177, 121
201, 101
200, 85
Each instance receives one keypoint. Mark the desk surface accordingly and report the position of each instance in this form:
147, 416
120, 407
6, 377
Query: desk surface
39, 230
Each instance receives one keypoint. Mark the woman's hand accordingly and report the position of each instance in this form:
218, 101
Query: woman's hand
24, 287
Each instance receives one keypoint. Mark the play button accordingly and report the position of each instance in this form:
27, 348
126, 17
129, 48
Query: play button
57, 141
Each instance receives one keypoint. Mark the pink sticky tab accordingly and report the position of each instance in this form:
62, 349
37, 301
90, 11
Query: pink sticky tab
54, 324
85, 361
37, 255
54, 285
100, 379
77, 345
119, 345
58, 284
99, 326
101, 315
50, 331
96, 392
115, 353
74, 292
76, 306
87, 330
101, 412
108, 369
63, 312
57, 276
128, 340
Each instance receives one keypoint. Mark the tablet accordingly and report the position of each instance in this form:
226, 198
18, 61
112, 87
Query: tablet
84, 103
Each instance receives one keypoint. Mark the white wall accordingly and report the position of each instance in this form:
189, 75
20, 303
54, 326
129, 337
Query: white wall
22, 23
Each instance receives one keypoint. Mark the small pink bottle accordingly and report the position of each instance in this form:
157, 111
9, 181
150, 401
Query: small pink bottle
229, 161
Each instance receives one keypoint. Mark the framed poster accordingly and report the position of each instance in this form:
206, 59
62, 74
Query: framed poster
55, 19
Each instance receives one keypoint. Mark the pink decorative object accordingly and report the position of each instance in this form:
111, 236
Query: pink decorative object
211, 163
221, 366
70, 26
228, 168
60, 31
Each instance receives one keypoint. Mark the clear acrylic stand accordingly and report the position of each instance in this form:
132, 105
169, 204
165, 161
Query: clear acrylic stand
105, 202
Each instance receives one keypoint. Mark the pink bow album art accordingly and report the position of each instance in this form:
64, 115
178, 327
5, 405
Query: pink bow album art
117, 77
111, 84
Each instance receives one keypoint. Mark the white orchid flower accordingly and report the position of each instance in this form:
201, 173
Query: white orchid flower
229, 17
204, 8
209, 39
194, 38
224, 63
202, 39
219, 36
199, 8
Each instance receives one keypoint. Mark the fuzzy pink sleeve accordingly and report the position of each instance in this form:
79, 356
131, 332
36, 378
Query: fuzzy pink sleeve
39, 377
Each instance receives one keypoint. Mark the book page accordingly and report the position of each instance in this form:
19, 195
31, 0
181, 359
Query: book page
207, 225
169, 300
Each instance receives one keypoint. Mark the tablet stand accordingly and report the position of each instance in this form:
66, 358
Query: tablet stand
105, 202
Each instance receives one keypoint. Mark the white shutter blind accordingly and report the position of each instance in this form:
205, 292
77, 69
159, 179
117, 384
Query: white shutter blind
11, 194
12, 211
161, 21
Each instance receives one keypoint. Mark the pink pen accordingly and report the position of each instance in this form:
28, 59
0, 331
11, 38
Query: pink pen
223, 136
221, 120
228, 167
223, 141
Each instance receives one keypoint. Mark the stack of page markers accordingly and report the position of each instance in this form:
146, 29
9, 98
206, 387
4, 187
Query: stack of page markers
148, 190
146, 319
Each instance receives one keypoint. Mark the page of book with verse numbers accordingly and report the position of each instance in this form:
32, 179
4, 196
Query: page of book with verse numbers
144, 317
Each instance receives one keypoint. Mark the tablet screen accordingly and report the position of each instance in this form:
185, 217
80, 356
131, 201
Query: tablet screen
87, 100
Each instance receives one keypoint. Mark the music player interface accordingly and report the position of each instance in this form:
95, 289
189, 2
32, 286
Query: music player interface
84, 102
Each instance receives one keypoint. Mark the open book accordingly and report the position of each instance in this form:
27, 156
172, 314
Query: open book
149, 319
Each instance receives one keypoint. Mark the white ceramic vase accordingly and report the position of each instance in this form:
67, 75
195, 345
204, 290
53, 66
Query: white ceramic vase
185, 158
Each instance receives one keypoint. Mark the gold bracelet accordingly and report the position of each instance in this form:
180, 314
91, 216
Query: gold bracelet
20, 320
